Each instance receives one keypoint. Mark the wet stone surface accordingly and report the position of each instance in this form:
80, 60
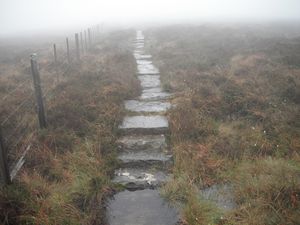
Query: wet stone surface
143, 62
142, 56
140, 178
140, 143
144, 122
141, 106
139, 45
144, 157
143, 153
143, 207
149, 81
154, 94
147, 69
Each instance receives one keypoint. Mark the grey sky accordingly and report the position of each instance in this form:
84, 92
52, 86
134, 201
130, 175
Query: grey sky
40, 15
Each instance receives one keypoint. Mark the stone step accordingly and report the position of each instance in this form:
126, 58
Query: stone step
141, 56
149, 81
154, 94
144, 125
143, 62
139, 41
147, 69
142, 106
141, 178
142, 207
143, 151
143, 159
142, 142
139, 45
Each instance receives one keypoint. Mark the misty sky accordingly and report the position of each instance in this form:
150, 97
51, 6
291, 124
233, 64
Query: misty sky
40, 15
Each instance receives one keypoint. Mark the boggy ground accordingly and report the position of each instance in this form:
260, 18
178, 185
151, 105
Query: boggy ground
236, 120
67, 172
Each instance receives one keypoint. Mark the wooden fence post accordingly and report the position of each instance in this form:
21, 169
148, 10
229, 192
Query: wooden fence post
38, 92
89, 38
54, 53
55, 62
4, 171
85, 41
68, 50
77, 47
81, 42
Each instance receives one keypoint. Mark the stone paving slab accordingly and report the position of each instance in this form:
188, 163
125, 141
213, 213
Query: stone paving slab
142, 56
144, 122
140, 178
143, 152
142, 156
144, 125
139, 46
154, 94
142, 207
147, 69
149, 81
143, 62
142, 106
142, 142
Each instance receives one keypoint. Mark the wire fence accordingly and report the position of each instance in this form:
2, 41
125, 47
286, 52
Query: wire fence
22, 98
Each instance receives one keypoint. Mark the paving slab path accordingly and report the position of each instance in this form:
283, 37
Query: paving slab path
144, 155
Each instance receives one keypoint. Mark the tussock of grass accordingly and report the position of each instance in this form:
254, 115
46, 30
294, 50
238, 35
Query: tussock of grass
268, 192
195, 209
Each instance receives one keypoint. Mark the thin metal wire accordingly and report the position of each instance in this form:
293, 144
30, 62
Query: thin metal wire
18, 141
14, 90
24, 122
17, 109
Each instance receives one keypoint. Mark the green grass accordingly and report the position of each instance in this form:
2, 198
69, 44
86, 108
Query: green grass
267, 191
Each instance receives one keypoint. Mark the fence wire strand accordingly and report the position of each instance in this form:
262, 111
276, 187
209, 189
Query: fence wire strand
14, 90
16, 109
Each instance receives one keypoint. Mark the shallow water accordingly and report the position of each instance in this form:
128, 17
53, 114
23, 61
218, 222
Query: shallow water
142, 207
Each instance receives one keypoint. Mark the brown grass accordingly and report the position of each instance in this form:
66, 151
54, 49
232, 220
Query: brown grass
237, 100
66, 177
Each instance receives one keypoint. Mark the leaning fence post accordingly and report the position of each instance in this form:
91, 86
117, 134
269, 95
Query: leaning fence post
68, 50
77, 47
3, 162
38, 92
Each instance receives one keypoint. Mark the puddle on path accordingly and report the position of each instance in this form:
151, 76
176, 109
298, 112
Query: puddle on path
141, 177
142, 207
221, 195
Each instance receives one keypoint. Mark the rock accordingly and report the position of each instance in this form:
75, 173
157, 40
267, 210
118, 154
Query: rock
142, 106
142, 207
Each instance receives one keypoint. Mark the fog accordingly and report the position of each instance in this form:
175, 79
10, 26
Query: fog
32, 16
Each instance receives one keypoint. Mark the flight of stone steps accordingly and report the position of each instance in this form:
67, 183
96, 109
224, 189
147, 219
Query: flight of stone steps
144, 155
